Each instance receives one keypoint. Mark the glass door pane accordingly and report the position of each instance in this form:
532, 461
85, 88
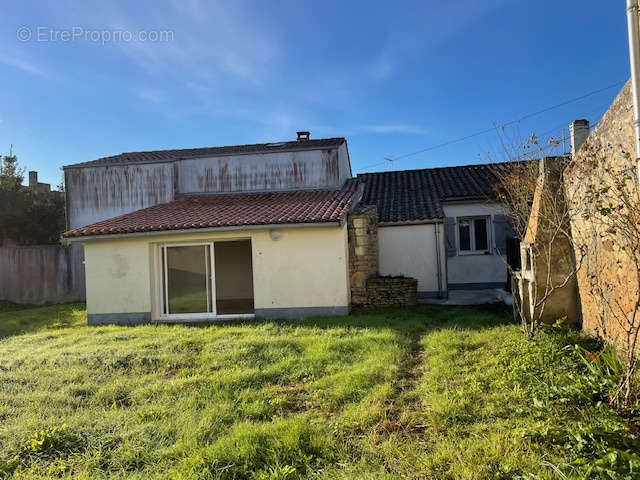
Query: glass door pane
234, 277
188, 280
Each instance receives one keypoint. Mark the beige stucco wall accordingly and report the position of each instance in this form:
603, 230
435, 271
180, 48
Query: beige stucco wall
410, 250
305, 267
490, 268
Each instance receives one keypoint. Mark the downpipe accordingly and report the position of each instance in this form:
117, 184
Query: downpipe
634, 58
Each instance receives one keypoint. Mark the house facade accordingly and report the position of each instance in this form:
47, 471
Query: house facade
262, 231
180, 235
440, 226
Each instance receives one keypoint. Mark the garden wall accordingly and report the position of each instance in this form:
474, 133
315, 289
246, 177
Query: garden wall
42, 274
608, 279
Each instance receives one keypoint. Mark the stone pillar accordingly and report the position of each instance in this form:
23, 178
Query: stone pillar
362, 229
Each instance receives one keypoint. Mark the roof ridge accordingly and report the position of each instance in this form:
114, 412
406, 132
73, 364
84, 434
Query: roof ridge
172, 154
446, 167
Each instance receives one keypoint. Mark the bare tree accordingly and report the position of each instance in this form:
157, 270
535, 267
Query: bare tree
531, 188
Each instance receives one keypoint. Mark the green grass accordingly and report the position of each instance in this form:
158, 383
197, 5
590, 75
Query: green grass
16, 319
433, 392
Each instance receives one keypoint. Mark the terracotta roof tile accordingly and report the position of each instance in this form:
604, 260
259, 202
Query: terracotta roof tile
238, 209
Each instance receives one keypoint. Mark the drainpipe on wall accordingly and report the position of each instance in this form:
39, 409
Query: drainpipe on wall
634, 57
438, 266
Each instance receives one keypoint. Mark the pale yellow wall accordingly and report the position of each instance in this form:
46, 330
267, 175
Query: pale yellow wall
117, 276
305, 267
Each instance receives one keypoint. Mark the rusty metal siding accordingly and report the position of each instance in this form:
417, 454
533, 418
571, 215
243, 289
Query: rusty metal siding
259, 172
42, 274
102, 192
98, 193
344, 163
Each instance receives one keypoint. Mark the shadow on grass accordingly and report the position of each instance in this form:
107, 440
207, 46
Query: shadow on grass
19, 319
410, 321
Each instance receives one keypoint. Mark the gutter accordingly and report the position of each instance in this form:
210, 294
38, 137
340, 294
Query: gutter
410, 222
634, 59
87, 238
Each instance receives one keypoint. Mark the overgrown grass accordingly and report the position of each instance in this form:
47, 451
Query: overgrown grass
16, 319
434, 392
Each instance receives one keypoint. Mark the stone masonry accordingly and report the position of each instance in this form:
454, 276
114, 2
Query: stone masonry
362, 228
392, 292
607, 267
367, 288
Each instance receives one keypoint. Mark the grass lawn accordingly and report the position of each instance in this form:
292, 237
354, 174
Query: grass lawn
433, 393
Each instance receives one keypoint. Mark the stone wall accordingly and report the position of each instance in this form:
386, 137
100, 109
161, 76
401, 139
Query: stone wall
608, 280
362, 228
367, 288
392, 292
547, 260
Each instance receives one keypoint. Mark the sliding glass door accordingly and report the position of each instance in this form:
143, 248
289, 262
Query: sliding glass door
187, 279
193, 284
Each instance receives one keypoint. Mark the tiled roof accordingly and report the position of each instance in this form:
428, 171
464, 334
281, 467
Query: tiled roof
238, 209
170, 155
414, 195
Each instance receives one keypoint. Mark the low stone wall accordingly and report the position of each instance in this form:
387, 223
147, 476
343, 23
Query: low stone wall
391, 292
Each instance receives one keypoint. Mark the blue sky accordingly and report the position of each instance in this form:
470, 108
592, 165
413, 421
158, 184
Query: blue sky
392, 77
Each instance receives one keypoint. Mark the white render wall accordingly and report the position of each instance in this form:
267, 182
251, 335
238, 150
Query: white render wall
476, 268
410, 250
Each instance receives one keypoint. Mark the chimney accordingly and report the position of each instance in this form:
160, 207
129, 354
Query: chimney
578, 131
303, 136
33, 178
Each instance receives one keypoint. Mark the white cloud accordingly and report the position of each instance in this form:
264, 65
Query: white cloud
22, 64
152, 95
404, 128
210, 41
421, 30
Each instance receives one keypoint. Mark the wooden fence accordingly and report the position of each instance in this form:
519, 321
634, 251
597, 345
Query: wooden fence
42, 274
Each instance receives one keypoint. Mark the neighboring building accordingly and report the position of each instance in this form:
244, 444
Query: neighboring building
250, 230
38, 187
546, 283
439, 226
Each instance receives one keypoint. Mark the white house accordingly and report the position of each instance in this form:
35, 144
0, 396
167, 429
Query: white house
439, 226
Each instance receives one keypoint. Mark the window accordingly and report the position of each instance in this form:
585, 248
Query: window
473, 235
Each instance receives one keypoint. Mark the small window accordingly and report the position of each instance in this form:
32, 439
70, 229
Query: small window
473, 235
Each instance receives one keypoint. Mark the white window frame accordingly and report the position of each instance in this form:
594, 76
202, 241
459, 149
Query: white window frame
472, 235
162, 296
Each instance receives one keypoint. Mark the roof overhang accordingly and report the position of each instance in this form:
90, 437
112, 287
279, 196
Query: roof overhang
410, 222
115, 236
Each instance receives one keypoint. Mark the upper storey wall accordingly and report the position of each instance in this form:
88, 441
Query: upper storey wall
99, 192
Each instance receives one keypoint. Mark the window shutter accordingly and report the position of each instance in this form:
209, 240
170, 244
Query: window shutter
503, 231
450, 236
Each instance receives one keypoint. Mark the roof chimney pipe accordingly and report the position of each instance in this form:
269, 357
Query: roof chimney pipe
33, 178
578, 131
302, 136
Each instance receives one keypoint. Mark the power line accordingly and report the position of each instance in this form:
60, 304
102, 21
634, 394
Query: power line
487, 130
